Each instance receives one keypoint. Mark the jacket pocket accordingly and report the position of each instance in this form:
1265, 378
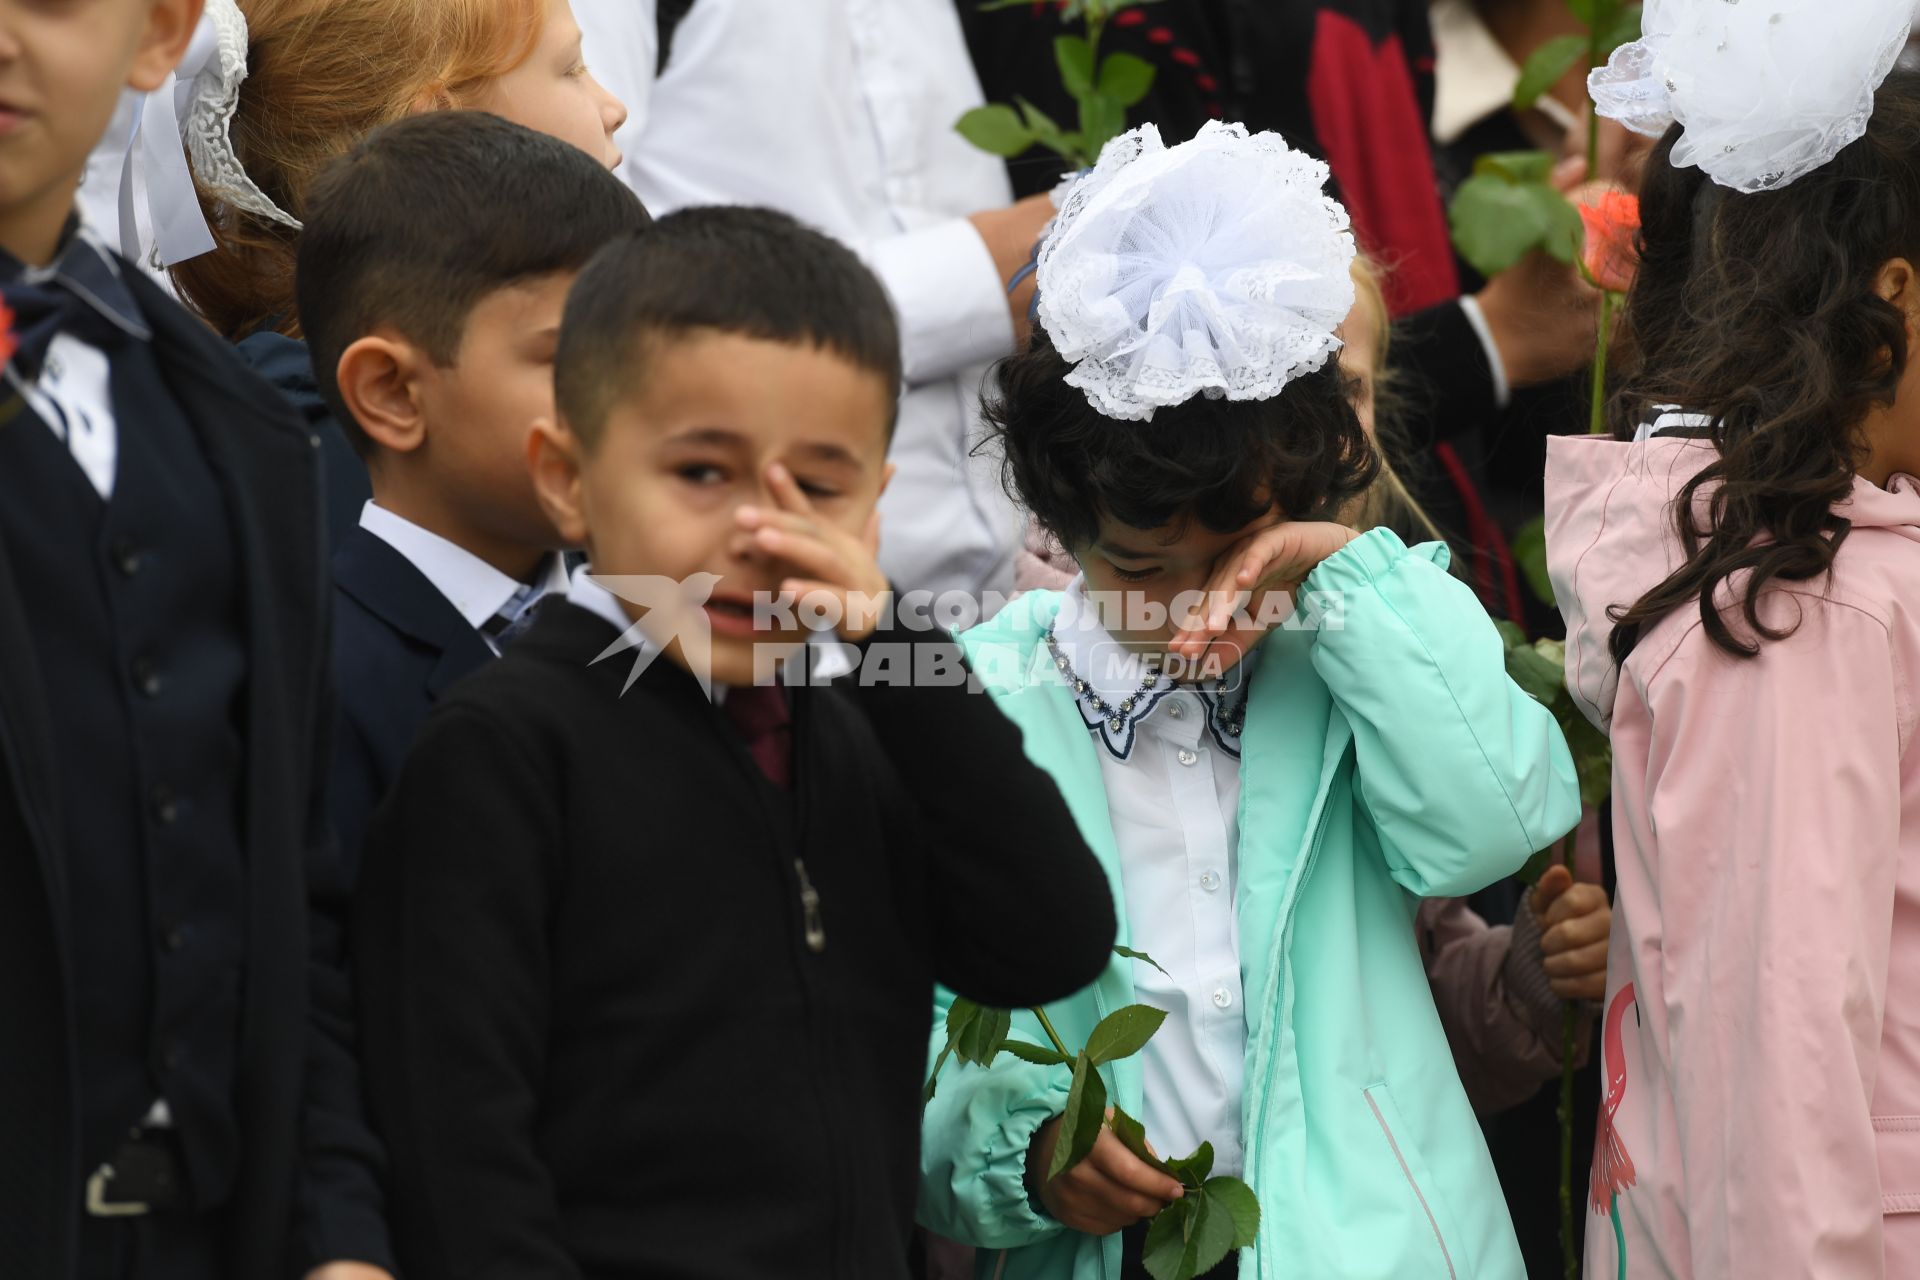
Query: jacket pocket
1394, 1130
1896, 1140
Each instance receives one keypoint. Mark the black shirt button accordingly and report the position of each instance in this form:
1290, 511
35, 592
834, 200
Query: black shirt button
126, 556
175, 1051
174, 938
166, 806
146, 677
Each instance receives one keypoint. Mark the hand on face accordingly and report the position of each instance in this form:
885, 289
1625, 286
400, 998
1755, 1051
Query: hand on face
1575, 920
1239, 608
838, 574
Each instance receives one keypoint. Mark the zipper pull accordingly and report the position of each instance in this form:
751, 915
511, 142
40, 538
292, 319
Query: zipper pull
810, 910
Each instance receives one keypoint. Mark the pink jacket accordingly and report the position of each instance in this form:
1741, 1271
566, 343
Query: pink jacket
1761, 1035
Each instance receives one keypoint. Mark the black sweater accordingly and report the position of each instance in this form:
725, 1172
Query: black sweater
595, 1034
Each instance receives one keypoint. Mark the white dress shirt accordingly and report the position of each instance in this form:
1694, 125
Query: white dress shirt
1172, 776
841, 113
73, 395
477, 591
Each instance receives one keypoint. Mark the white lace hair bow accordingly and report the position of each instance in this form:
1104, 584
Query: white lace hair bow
1766, 91
186, 122
1218, 267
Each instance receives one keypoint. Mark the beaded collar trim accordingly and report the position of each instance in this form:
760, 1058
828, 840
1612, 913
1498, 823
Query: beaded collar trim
1115, 723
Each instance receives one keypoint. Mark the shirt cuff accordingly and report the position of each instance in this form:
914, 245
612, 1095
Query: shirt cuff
951, 300
1502, 389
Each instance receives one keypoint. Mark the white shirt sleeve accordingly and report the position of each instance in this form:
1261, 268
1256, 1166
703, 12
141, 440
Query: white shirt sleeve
952, 303
1502, 389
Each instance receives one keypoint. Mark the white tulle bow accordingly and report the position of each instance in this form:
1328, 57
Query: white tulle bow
1766, 91
1217, 267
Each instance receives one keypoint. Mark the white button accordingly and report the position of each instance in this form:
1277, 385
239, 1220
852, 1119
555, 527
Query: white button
1209, 881
1222, 998
1188, 757
1177, 711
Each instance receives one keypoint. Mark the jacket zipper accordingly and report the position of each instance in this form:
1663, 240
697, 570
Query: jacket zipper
816, 930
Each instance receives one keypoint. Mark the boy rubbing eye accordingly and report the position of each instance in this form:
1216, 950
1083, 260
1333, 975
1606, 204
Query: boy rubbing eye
617, 909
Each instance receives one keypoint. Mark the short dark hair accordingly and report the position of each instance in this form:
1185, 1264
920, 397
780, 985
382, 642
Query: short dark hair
428, 216
749, 272
1224, 463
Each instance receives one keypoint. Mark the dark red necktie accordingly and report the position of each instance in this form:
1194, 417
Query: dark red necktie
760, 713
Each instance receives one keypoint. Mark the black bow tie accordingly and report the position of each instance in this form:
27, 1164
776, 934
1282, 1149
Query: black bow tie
83, 295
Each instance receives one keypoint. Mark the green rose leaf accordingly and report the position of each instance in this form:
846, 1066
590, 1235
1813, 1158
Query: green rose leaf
1511, 635
1236, 1199
1496, 222
1131, 954
1101, 121
980, 1040
1133, 1136
1624, 29
996, 129
1044, 130
1193, 1169
933, 1077
1166, 1244
1125, 78
1039, 1055
1538, 675
1080, 1124
1565, 233
1123, 1033
1516, 166
1530, 553
1546, 66
1075, 57
1197, 1245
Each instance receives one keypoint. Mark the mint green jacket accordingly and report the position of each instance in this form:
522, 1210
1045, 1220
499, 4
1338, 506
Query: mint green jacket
1432, 775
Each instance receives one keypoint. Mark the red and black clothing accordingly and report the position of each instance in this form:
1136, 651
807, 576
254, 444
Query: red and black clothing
1350, 81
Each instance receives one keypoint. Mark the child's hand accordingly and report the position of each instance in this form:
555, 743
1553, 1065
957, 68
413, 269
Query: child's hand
1108, 1191
1275, 559
1574, 922
846, 581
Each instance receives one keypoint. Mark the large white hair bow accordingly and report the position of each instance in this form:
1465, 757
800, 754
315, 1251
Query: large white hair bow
181, 130
1766, 91
1217, 267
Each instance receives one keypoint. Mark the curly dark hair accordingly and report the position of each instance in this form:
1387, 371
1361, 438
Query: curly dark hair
1222, 462
1760, 312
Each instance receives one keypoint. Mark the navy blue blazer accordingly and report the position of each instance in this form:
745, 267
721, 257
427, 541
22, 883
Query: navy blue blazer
309, 1190
398, 644
288, 365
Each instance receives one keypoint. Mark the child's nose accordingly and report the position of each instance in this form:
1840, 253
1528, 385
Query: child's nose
612, 111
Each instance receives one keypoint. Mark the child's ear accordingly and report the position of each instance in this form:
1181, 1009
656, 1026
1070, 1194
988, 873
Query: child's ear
1898, 284
554, 458
379, 379
886, 478
170, 25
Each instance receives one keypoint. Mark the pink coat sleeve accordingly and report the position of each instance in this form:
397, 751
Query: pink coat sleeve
1774, 806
